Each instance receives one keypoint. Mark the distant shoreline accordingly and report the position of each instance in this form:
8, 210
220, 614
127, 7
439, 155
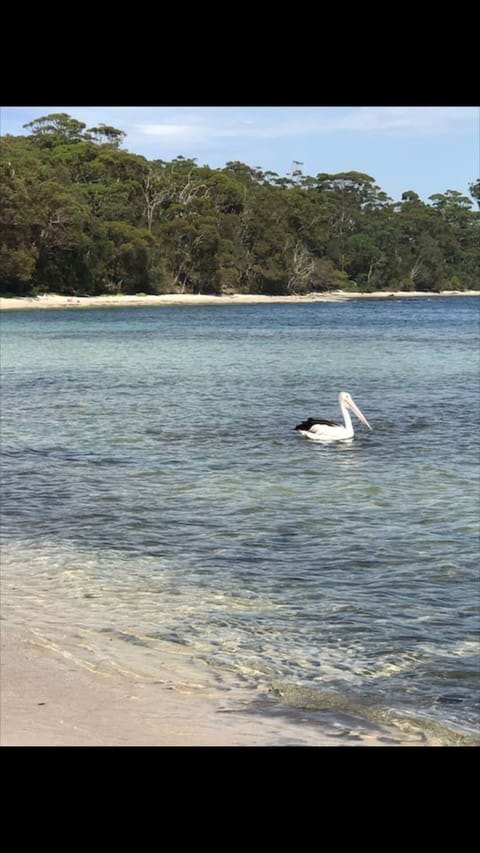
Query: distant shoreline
52, 300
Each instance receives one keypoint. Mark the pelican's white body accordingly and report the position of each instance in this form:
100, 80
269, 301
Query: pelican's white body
319, 430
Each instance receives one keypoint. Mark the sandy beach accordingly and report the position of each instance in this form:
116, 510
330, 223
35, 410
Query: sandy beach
52, 300
47, 699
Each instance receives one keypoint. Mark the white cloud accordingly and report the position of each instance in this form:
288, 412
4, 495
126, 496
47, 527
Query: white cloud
405, 121
276, 123
170, 132
200, 126
208, 131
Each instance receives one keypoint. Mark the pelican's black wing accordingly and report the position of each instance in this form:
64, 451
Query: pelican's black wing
310, 422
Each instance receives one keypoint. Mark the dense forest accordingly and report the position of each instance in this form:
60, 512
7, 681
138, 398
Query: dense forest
79, 215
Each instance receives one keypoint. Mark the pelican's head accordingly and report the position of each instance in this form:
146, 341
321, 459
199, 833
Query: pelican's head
345, 399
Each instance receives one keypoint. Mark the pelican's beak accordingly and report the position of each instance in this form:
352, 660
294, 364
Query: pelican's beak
356, 411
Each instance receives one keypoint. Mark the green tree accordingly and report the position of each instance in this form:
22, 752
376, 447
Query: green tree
475, 191
19, 174
56, 129
106, 134
80, 215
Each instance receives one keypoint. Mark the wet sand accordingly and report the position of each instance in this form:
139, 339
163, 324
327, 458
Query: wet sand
47, 699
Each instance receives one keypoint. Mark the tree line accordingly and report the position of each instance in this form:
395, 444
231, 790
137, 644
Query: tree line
81, 216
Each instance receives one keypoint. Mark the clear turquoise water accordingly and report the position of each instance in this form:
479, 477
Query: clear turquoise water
160, 512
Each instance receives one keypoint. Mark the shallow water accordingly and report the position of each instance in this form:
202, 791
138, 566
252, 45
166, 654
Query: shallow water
159, 512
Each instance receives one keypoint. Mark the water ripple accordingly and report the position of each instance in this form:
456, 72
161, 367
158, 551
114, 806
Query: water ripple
158, 509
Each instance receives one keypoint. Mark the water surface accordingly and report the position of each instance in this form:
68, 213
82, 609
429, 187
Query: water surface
159, 512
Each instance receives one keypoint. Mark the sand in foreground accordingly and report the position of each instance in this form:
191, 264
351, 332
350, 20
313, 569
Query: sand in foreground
48, 700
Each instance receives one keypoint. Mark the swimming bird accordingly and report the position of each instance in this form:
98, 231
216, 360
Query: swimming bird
321, 430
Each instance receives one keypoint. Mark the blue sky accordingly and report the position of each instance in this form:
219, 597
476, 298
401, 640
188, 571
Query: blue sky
425, 149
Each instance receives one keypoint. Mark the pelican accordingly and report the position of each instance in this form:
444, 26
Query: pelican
321, 430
